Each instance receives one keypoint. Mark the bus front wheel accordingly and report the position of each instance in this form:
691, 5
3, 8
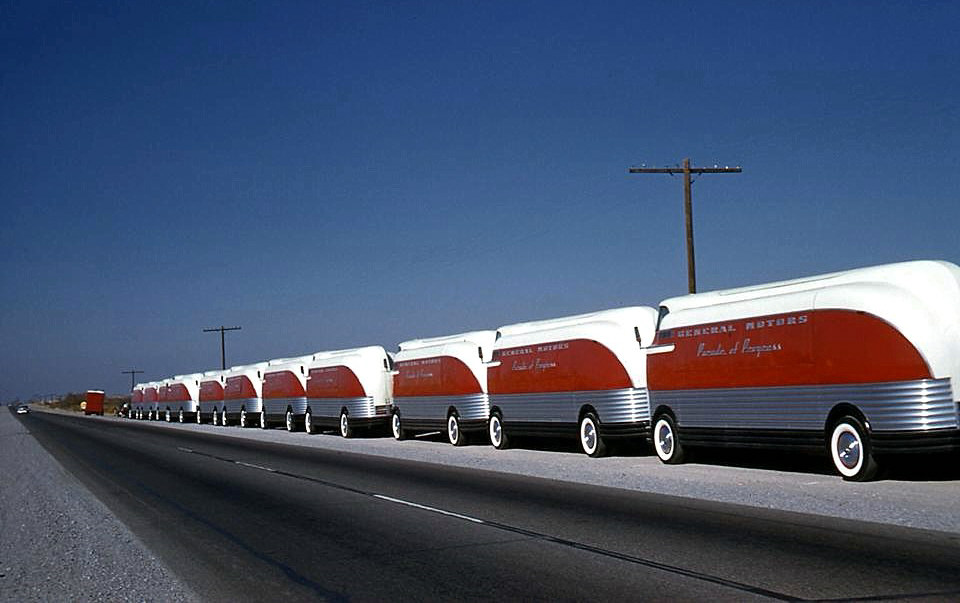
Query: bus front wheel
666, 443
851, 452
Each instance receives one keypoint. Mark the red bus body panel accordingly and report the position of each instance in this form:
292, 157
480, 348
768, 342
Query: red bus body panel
334, 382
561, 366
211, 391
435, 376
239, 387
812, 347
177, 392
282, 384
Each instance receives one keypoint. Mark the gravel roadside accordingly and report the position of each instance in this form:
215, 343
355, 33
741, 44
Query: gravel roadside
924, 500
59, 543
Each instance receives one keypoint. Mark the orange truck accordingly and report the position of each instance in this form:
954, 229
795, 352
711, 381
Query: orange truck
94, 402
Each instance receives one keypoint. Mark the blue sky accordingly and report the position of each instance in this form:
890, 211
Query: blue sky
336, 174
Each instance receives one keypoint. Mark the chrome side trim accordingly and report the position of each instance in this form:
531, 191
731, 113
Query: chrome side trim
361, 408
630, 405
207, 406
919, 405
470, 407
235, 406
277, 407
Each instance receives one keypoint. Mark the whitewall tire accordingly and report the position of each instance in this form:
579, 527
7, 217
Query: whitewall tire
498, 436
454, 433
396, 426
666, 443
851, 452
590, 441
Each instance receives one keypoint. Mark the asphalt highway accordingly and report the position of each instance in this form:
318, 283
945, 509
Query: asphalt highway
244, 520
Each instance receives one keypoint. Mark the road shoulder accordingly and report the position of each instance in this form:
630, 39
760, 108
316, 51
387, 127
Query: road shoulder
60, 543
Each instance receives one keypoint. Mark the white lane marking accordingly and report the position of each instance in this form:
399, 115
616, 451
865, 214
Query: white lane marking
252, 466
398, 501
426, 508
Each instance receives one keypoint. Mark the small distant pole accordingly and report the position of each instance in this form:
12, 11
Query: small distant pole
133, 377
686, 170
223, 349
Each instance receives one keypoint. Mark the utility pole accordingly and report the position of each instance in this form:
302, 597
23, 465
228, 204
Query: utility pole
133, 377
686, 170
223, 351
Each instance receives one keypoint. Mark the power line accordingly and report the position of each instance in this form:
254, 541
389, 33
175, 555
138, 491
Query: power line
223, 352
133, 377
686, 170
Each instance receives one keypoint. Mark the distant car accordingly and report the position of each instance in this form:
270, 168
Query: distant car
23, 409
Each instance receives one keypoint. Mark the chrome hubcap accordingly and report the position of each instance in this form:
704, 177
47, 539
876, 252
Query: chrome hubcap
848, 449
454, 429
396, 426
588, 434
665, 439
343, 425
289, 421
495, 431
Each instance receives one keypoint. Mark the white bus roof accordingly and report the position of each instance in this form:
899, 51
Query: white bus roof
188, 377
580, 325
291, 360
451, 345
242, 369
330, 358
923, 276
477, 337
